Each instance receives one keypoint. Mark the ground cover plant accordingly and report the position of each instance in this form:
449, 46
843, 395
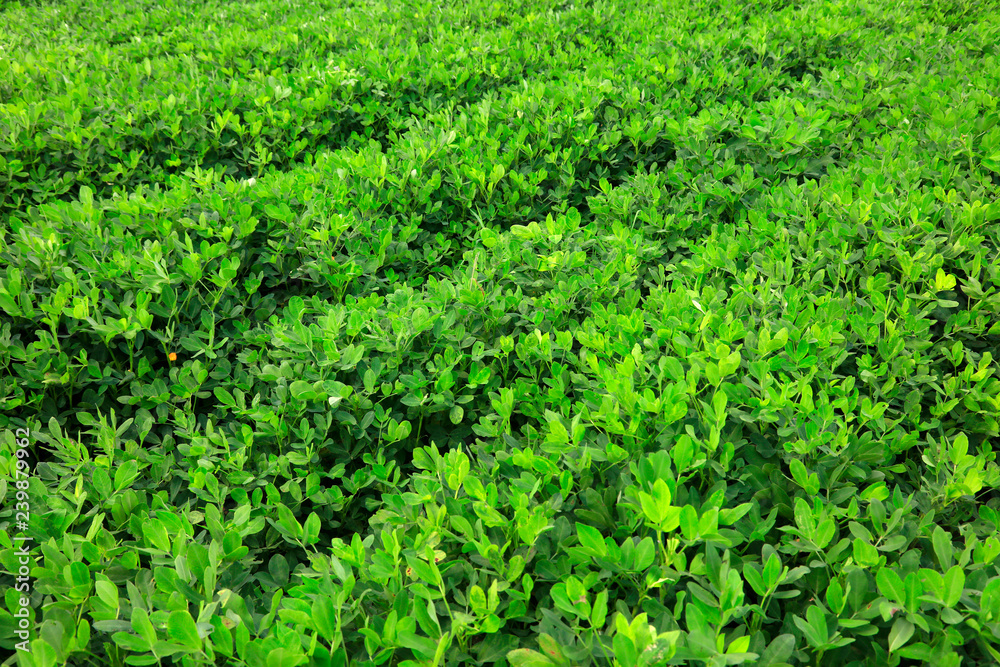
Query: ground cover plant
525, 333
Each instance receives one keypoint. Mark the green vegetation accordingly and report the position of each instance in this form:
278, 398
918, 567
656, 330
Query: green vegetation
526, 333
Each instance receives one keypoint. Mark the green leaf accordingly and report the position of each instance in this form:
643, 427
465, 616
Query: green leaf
773, 571
644, 554
599, 612
713, 374
302, 391
954, 585
817, 619
625, 651
778, 651
700, 634
325, 617
182, 629
477, 599
673, 368
808, 632
657, 509
900, 633
422, 569
942, 547
719, 405
558, 435
283, 657
865, 554
130, 642
311, 529
156, 533
102, 483
126, 474
113, 626
799, 473
552, 649
224, 396
918, 651
688, 521
77, 574
751, 572
420, 318
730, 364
524, 657
835, 597
591, 540
288, 523
426, 616
108, 593
143, 626
278, 568
728, 517
489, 237
891, 586
914, 589
83, 633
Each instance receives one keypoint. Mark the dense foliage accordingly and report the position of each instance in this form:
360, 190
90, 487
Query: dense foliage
394, 332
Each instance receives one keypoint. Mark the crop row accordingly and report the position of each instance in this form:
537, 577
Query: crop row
681, 343
243, 99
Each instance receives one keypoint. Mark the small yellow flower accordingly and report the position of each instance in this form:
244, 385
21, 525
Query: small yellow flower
172, 356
